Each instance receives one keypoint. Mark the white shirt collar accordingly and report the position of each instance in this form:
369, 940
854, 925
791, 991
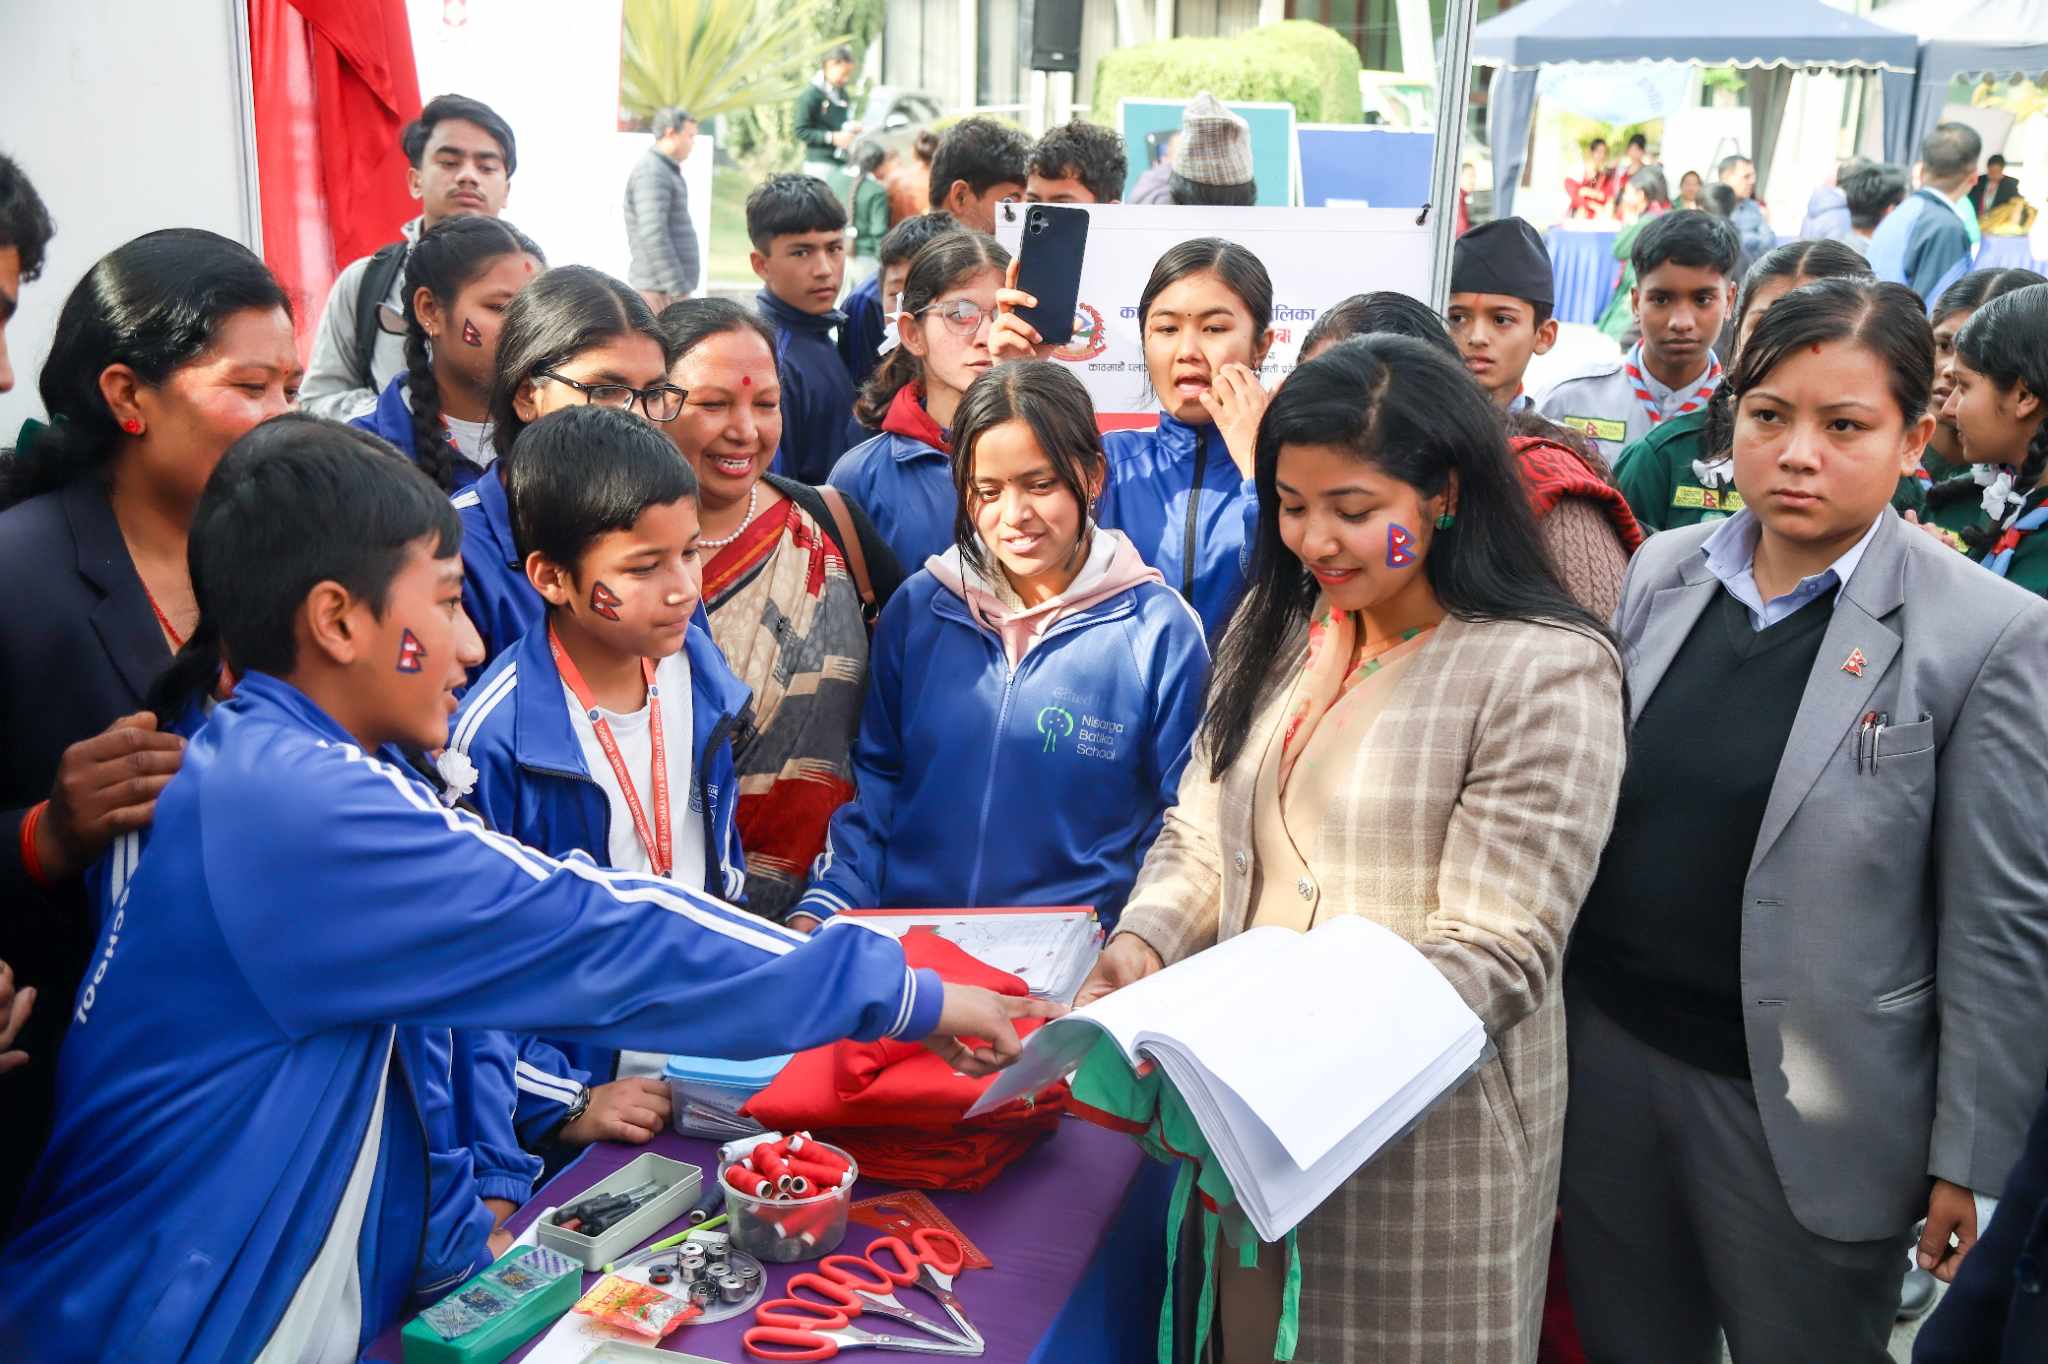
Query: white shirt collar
1731, 558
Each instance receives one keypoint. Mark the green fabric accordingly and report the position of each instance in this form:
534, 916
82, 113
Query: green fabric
1939, 469
1656, 476
1910, 497
1619, 318
1106, 1082
1966, 511
870, 216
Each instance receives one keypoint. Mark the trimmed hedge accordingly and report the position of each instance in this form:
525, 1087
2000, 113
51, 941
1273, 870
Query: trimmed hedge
1294, 62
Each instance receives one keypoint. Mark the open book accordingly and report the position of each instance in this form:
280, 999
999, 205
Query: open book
1301, 1055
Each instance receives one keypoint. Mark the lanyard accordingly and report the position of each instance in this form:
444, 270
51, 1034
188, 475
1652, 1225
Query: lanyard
1649, 401
658, 840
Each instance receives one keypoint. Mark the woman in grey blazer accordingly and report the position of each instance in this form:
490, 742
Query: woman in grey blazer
1808, 992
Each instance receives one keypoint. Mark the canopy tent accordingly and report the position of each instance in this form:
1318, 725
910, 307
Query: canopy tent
1770, 39
1964, 38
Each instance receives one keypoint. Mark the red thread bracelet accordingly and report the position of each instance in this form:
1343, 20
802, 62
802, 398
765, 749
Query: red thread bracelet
31, 861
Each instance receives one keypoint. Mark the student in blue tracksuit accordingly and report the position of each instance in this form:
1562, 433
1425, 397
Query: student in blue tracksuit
235, 1153
574, 336
563, 729
904, 476
459, 277
798, 228
1183, 491
871, 309
1031, 693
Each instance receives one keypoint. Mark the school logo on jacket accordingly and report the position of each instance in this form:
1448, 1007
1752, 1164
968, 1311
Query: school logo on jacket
1055, 723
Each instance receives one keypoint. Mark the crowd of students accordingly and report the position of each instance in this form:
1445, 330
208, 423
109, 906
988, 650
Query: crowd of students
351, 767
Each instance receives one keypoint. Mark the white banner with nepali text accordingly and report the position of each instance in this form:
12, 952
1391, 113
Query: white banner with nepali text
1317, 257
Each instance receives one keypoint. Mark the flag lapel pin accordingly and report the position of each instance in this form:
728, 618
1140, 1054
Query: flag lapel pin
1853, 664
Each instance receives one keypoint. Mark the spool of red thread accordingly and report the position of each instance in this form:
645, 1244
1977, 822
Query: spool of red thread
748, 1183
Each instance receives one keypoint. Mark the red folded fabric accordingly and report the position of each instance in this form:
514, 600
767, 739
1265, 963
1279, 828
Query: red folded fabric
897, 1106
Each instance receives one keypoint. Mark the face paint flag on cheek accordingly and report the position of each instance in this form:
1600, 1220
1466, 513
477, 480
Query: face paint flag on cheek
470, 335
604, 602
1400, 546
410, 652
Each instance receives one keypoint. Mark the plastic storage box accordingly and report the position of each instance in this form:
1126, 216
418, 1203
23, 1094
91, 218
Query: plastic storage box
504, 1333
594, 1252
706, 1094
785, 1230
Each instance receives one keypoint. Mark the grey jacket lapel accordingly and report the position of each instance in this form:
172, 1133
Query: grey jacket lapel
1674, 611
1837, 696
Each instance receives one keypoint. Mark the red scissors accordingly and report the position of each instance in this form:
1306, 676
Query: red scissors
931, 1260
859, 1283
795, 1328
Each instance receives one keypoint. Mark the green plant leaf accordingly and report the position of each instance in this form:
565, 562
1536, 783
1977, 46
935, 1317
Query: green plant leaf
716, 57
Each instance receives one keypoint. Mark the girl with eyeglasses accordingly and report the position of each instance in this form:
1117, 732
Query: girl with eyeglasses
573, 336
904, 476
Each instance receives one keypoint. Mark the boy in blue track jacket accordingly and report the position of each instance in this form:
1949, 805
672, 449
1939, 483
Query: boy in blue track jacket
231, 1150
605, 518
798, 229
1032, 697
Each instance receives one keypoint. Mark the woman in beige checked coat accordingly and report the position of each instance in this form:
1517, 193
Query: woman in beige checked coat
1409, 720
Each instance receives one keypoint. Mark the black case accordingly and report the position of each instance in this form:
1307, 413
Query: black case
1049, 266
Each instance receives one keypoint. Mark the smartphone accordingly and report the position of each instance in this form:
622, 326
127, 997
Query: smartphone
1049, 267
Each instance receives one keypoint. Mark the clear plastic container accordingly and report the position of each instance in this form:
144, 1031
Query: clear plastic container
706, 1094
786, 1230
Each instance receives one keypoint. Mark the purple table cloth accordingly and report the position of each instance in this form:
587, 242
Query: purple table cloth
1040, 1222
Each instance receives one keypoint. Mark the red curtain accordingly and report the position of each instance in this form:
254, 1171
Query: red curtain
334, 85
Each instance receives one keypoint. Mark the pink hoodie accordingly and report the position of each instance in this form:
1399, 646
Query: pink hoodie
1113, 566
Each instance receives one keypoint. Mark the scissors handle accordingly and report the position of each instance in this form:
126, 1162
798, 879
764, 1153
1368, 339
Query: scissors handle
941, 1250
840, 1294
776, 1342
799, 1314
869, 1275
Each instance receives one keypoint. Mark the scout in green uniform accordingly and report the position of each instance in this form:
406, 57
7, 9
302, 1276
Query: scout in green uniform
1998, 401
1669, 477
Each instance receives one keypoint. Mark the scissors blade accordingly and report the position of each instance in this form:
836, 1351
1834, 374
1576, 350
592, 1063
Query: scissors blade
874, 1305
854, 1335
938, 1285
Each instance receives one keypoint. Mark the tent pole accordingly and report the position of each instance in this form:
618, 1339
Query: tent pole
1453, 92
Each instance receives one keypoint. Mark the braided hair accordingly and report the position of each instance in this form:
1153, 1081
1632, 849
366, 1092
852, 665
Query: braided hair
443, 262
2002, 342
1967, 295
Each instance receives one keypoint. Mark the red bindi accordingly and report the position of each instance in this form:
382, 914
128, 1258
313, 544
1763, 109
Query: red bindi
746, 381
1816, 348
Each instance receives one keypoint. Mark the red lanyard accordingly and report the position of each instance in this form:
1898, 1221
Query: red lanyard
658, 840
1649, 401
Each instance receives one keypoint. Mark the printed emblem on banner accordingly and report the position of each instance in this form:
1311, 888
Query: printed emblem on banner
1599, 428
1055, 723
1090, 337
410, 652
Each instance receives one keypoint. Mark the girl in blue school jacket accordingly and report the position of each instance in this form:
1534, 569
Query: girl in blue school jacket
238, 1169
1031, 694
459, 277
1183, 491
571, 330
903, 477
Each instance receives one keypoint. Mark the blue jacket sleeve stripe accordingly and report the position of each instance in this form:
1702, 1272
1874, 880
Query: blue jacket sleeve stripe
468, 497
539, 1083
626, 886
479, 707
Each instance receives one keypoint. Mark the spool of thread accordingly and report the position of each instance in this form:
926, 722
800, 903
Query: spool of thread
740, 1178
769, 1162
820, 1175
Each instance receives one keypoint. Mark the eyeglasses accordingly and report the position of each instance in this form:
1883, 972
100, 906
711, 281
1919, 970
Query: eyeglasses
962, 316
662, 403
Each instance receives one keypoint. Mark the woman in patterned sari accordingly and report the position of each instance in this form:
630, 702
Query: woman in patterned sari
782, 570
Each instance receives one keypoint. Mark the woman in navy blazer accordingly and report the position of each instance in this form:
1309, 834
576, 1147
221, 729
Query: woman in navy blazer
169, 348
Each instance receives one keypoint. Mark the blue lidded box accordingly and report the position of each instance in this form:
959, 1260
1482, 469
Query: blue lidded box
706, 1093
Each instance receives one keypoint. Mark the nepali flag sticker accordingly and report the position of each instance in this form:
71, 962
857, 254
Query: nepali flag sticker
410, 652
1400, 546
